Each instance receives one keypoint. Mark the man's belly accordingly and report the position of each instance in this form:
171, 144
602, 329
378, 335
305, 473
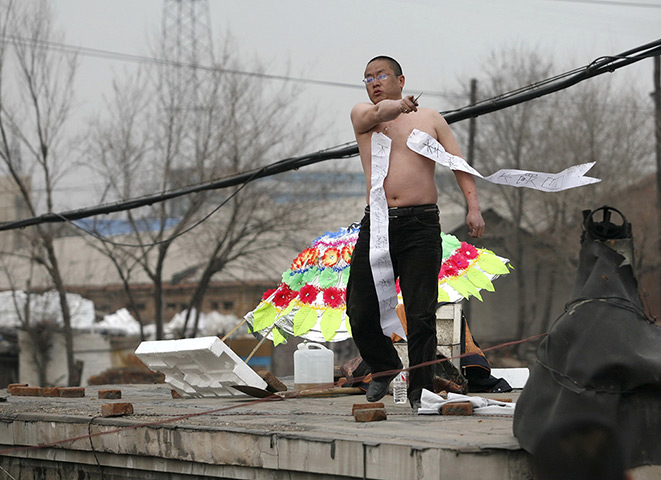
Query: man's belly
407, 192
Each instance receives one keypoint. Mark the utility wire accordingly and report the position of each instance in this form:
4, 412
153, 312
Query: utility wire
99, 53
598, 67
614, 3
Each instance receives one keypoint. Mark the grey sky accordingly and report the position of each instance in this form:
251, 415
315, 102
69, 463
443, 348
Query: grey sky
438, 42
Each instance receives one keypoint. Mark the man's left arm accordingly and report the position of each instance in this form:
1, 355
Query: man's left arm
474, 218
466, 182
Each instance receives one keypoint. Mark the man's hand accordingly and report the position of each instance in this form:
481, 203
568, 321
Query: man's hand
475, 223
408, 104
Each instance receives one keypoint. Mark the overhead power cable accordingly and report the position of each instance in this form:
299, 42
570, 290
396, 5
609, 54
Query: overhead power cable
615, 3
598, 67
128, 57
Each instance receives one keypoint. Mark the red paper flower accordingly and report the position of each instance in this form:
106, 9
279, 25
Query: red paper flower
448, 270
459, 261
308, 294
334, 297
311, 255
347, 252
283, 296
268, 293
468, 250
306, 257
331, 257
297, 263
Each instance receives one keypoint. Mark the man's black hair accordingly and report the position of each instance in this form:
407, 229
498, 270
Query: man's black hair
394, 64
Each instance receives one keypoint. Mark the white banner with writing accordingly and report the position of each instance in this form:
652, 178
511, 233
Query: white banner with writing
427, 146
380, 263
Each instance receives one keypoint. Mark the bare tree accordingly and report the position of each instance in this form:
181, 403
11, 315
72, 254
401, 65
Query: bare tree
156, 137
35, 102
121, 148
594, 121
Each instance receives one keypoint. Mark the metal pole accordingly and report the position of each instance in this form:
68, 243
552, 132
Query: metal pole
657, 130
470, 154
470, 158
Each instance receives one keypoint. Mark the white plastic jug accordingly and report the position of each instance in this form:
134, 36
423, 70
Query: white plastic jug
313, 366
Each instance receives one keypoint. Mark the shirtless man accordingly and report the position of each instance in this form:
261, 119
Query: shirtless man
413, 229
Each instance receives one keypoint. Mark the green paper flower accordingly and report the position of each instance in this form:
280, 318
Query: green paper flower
285, 276
310, 274
328, 278
450, 244
296, 282
345, 277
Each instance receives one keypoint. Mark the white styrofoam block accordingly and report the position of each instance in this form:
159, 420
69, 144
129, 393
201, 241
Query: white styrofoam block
198, 367
448, 335
516, 377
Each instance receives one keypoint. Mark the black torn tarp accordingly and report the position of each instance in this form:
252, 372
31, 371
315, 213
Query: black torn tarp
602, 355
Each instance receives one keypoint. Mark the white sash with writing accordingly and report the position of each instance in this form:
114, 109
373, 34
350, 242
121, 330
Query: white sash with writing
382, 269
428, 146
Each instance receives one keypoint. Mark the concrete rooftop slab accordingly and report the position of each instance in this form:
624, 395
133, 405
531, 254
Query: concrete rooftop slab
242, 437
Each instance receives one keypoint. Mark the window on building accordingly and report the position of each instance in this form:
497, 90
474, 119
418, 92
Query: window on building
228, 305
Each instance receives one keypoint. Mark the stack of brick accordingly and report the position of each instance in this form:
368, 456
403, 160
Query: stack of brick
24, 390
107, 409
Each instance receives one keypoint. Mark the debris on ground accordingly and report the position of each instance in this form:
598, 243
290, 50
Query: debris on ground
369, 412
116, 409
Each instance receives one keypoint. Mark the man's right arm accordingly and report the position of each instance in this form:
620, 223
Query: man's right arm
365, 116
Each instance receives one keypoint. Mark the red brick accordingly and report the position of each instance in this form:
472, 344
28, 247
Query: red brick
49, 392
26, 391
110, 394
458, 408
273, 384
12, 386
116, 409
358, 406
370, 414
72, 392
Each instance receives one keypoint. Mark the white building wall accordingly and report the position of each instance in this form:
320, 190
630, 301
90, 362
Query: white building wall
92, 348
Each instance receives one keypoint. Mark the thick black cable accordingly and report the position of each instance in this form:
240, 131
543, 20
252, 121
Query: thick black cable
601, 65
261, 172
598, 67
165, 240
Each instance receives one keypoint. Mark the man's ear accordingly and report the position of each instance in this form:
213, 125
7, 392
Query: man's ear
401, 81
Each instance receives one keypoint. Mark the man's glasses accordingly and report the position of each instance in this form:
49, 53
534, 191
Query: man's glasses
380, 77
